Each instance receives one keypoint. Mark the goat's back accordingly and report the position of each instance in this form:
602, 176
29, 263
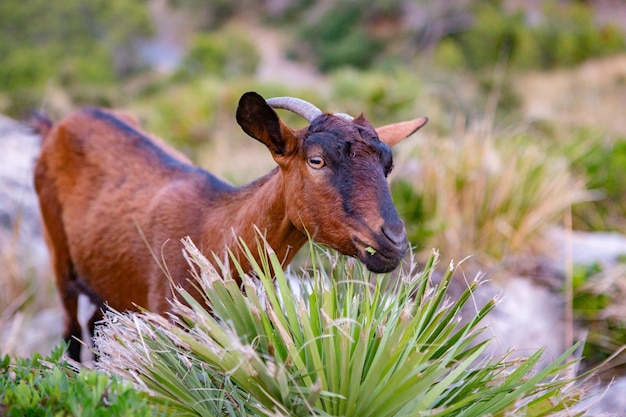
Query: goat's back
102, 183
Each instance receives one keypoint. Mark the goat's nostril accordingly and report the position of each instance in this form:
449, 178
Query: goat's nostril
395, 233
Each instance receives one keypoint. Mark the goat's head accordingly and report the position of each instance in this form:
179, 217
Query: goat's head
335, 174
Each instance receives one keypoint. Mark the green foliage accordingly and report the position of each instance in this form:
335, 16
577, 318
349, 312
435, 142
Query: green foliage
570, 36
51, 387
598, 294
336, 342
382, 97
68, 43
449, 54
227, 53
490, 39
565, 36
587, 305
603, 166
339, 38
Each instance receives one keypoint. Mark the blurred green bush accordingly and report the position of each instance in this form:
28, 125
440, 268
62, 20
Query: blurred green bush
70, 44
603, 164
566, 35
340, 37
382, 96
597, 303
226, 53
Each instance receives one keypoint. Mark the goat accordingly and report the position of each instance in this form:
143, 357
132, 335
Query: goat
111, 195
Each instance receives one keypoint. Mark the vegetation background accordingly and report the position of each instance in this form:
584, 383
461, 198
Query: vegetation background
525, 101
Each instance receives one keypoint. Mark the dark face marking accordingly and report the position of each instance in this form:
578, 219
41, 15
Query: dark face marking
357, 162
356, 165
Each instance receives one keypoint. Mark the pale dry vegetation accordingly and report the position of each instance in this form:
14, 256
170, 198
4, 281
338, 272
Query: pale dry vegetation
488, 194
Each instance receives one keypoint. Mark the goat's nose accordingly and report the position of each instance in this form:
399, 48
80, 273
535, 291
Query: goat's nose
395, 233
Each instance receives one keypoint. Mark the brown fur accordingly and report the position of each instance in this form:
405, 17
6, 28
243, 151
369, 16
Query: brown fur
111, 194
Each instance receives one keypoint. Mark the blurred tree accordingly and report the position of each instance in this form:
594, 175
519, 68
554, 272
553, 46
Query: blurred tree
339, 37
69, 42
565, 34
225, 53
358, 33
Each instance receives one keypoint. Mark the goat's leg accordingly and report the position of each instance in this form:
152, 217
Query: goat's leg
95, 318
68, 291
62, 265
72, 332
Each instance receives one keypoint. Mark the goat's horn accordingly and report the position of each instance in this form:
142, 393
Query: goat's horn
344, 116
300, 107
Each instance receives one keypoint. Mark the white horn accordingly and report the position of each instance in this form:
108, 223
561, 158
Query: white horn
298, 106
344, 116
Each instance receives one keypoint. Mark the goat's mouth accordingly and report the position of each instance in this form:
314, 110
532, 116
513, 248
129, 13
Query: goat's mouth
380, 258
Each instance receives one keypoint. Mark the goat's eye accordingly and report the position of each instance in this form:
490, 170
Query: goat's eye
316, 162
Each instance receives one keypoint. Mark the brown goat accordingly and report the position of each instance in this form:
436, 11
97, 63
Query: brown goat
111, 195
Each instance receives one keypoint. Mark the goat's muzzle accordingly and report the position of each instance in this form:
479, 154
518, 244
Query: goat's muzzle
385, 253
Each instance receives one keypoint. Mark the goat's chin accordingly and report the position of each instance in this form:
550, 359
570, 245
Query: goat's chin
379, 263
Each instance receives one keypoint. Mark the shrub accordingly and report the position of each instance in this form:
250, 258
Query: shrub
603, 166
448, 54
226, 53
336, 342
490, 39
51, 387
73, 43
569, 35
598, 294
339, 38
380, 96
566, 35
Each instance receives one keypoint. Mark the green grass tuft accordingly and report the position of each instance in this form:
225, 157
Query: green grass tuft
336, 342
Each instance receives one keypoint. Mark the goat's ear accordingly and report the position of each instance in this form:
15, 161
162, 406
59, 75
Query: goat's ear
260, 121
394, 133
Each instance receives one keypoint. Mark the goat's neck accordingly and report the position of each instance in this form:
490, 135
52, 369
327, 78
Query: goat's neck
261, 204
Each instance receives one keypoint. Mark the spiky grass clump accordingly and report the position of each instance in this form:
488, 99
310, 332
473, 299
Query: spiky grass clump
340, 345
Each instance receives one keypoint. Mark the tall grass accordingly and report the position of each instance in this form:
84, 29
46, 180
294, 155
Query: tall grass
27, 299
492, 193
336, 342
